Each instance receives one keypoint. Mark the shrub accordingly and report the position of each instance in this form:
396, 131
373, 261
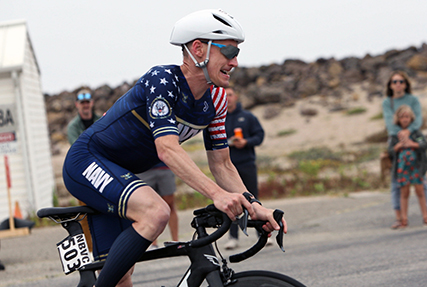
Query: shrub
356, 111
315, 154
378, 116
286, 132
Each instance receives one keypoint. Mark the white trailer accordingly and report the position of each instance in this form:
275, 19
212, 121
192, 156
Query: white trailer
24, 136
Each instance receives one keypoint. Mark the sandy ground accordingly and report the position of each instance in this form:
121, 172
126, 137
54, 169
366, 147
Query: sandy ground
329, 129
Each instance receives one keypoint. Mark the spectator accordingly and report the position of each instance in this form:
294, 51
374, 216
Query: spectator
85, 118
409, 163
162, 180
242, 149
399, 93
85, 115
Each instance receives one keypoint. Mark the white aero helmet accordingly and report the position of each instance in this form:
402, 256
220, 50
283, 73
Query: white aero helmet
206, 24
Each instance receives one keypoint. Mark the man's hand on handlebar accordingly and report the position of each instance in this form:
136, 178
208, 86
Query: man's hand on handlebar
231, 204
262, 213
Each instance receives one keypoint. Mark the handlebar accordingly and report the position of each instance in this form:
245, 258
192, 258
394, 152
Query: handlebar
210, 216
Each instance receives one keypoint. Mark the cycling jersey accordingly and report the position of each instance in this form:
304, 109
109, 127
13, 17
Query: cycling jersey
161, 103
100, 166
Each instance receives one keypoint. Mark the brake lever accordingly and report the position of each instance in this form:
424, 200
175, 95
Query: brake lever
278, 215
243, 221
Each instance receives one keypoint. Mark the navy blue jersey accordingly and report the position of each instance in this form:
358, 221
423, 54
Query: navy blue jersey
100, 166
160, 103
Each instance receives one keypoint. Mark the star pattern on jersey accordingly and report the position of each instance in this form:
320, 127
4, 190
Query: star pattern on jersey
170, 94
163, 81
151, 124
152, 89
168, 71
147, 83
154, 73
172, 121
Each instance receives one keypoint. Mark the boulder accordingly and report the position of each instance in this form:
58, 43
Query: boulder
417, 62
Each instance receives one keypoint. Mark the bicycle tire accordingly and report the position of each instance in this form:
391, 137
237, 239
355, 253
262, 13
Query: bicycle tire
261, 278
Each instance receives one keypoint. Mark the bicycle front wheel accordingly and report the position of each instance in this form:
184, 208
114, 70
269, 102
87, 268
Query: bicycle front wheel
264, 279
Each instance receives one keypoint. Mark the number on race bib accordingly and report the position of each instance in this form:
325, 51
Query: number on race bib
73, 252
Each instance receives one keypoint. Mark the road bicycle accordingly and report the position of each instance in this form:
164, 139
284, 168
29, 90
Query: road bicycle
205, 266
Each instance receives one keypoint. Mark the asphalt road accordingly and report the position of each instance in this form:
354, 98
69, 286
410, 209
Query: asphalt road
332, 241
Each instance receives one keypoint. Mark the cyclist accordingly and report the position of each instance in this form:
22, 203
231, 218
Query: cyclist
168, 105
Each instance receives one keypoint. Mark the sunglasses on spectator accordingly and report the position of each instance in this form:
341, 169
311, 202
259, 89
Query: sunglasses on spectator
229, 51
84, 96
398, 81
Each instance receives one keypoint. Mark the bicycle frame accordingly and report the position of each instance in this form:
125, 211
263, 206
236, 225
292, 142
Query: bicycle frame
204, 262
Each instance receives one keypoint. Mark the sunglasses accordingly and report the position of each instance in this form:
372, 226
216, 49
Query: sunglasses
229, 51
398, 81
84, 96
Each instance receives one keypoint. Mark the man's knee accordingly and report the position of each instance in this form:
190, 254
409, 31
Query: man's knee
161, 213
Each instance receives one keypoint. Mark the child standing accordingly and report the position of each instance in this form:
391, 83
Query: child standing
409, 164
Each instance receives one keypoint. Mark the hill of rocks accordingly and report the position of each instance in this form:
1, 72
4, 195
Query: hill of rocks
277, 85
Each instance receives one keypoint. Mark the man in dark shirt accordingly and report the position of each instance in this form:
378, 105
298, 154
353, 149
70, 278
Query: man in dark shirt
85, 116
242, 148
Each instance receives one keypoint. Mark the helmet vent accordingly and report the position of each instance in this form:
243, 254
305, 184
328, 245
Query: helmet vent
218, 32
221, 20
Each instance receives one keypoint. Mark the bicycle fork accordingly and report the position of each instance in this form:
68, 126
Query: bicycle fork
204, 264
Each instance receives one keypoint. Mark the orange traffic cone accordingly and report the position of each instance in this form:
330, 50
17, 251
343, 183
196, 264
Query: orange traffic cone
17, 213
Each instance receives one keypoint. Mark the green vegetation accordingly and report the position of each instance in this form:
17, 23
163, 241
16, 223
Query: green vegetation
191, 200
378, 116
322, 171
286, 132
316, 153
41, 222
193, 144
315, 171
55, 198
356, 111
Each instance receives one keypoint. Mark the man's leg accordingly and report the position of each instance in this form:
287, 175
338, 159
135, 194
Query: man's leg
150, 215
249, 176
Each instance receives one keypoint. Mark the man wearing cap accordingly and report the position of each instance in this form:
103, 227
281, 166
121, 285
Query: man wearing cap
85, 118
85, 115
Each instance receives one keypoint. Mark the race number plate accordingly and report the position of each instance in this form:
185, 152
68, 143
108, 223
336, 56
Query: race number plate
73, 252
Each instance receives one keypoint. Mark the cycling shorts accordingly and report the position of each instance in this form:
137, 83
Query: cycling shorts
103, 185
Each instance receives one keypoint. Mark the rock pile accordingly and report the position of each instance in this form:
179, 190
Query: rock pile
277, 83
